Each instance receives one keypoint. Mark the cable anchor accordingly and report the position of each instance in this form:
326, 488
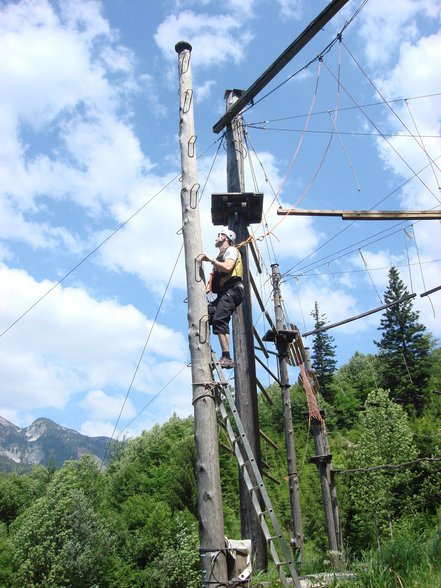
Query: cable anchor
184, 63
204, 326
188, 98
194, 193
191, 145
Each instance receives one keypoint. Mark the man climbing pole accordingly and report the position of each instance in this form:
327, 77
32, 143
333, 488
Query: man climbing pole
226, 282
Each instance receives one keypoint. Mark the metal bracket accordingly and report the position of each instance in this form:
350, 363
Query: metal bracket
247, 205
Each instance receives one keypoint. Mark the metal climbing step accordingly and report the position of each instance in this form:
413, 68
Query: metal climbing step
279, 549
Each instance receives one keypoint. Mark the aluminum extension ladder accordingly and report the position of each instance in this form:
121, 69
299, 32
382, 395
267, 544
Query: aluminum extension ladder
259, 496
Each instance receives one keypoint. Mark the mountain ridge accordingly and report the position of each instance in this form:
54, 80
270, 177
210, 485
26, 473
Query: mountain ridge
44, 442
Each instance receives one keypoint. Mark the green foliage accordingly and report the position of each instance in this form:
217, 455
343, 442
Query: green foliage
152, 487
359, 376
380, 497
230, 490
150, 464
323, 356
6, 554
135, 524
150, 525
18, 491
178, 565
404, 349
175, 563
60, 540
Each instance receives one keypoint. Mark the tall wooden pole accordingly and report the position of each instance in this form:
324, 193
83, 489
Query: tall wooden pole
293, 476
245, 367
211, 522
323, 461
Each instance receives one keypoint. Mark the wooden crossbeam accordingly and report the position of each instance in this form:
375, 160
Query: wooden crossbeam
365, 214
311, 30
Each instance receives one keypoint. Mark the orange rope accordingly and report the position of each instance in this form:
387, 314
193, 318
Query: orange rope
334, 120
311, 400
299, 144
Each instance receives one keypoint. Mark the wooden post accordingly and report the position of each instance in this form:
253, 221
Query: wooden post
243, 342
293, 476
322, 459
211, 522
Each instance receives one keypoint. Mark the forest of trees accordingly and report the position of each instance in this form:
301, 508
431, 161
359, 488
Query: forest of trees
134, 523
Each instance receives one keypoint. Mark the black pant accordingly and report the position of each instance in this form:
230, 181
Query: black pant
221, 309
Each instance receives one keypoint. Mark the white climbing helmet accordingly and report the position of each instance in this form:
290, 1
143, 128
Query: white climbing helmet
231, 235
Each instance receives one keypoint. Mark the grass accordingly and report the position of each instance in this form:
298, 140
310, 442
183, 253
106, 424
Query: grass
411, 560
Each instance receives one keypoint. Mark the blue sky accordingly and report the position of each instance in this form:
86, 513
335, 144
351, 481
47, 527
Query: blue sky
89, 124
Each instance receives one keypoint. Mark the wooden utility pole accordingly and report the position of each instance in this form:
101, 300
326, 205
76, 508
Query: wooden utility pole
322, 459
243, 341
282, 341
211, 522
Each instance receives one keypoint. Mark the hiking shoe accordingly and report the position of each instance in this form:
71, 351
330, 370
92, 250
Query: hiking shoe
226, 362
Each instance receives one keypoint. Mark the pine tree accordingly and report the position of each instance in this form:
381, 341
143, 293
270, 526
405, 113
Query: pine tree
323, 358
404, 348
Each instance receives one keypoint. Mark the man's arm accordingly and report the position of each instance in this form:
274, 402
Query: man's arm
223, 266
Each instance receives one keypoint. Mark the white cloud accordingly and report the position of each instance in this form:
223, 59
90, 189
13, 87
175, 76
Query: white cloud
284, 230
301, 294
203, 91
40, 48
71, 343
98, 428
404, 55
243, 8
384, 23
371, 262
290, 9
418, 67
110, 155
100, 405
57, 86
215, 39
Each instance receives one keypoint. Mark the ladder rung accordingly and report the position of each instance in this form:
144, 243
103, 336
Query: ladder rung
274, 538
247, 462
256, 487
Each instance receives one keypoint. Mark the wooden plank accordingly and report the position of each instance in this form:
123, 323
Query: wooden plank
264, 392
261, 345
255, 256
268, 440
358, 316
256, 293
270, 477
365, 214
274, 377
429, 292
268, 351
